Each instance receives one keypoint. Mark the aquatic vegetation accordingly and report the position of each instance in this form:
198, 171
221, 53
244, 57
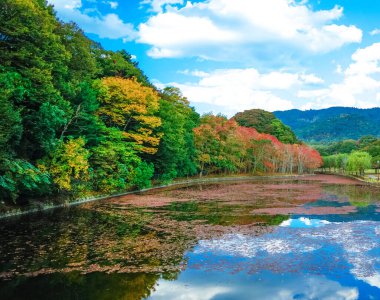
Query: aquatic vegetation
137, 245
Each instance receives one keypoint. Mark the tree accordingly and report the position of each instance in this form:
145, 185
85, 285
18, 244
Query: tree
30, 46
19, 177
131, 107
116, 165
307, 158
82, 63
176, 152
366, 140
119, 64
373, 148
358, 162
12, 90
266, 122
256, 118
224, 146
282, 132
67, 163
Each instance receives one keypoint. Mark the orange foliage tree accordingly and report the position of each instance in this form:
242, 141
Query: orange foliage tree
225, 147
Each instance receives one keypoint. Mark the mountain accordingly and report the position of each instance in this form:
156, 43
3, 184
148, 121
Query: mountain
332, 124
266, 122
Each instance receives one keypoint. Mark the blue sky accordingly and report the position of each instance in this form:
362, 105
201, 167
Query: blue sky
231, 55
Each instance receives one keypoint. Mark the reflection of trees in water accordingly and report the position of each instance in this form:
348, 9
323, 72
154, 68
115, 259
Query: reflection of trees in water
100, 251
251, 194
356, 195
220, 213
121, 251
106, 237
94, 239
75, 285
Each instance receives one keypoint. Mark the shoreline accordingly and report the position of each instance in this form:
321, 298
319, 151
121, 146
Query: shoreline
18, 212
361, 180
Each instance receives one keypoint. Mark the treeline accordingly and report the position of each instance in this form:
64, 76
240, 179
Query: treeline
78, 119
350, 155
225, 147
368, 143
356, 162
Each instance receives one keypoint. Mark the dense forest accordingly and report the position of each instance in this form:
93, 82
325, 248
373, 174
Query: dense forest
332, 124
79, 120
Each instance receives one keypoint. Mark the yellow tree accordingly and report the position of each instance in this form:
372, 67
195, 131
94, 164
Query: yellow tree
67, 163
131, 107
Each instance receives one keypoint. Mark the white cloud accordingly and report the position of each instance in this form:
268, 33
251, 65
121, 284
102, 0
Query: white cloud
173, 290
160, 5
207, 286
339, 69
304, 222
175, 41
113, 4
69, 4
375, 32
311, 78
356, 243
373, 280
105, 26
365, 61
195, 73
359, 87
277, 81
233, 90
206, 29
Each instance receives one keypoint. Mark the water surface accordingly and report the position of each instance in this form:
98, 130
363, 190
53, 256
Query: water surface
313, 238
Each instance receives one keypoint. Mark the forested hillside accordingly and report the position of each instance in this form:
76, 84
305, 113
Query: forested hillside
78, 120
265, 122
332, 124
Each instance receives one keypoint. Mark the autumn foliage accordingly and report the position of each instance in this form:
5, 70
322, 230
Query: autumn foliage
130, 106
225, 147
79, 120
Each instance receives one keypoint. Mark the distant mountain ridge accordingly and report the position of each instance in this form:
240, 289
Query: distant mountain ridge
332, 124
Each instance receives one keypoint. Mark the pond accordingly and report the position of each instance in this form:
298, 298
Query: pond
316, 237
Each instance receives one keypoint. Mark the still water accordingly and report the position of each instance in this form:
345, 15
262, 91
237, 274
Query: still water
313, 238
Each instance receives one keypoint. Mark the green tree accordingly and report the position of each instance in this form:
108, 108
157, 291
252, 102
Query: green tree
18, 177
12, 91
29, 45
81, 63
119, 64
266, 122
358, 162
282, 132
373, 148
176, 152
116, 165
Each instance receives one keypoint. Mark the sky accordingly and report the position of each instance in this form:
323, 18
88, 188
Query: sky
231, 55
